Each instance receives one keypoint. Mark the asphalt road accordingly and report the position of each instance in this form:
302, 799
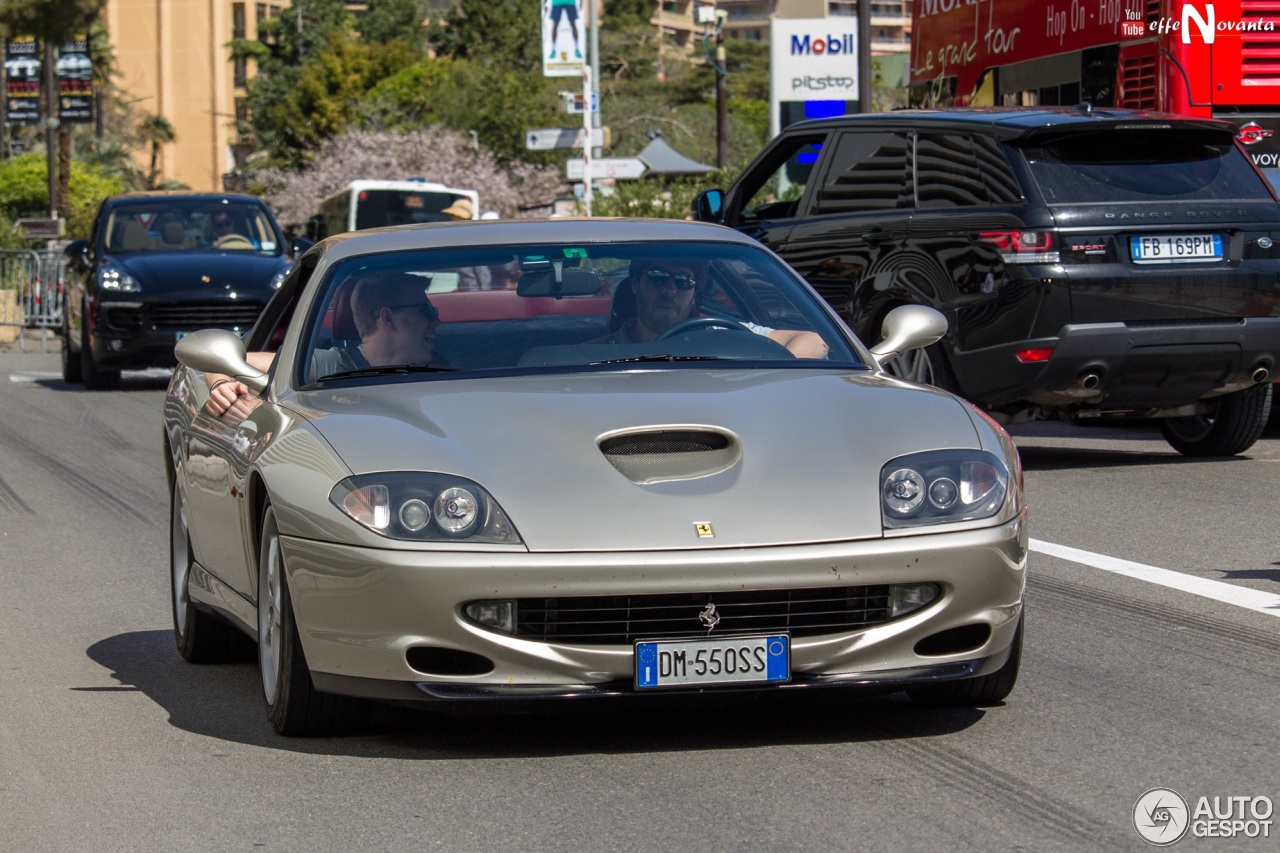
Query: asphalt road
109, 741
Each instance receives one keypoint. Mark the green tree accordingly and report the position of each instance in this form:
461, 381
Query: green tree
156, 132
506, 33
282, 51
24, 186
53, 20
619, 14
394, 20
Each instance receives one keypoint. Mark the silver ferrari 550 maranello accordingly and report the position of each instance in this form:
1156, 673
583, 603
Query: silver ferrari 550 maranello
567, 458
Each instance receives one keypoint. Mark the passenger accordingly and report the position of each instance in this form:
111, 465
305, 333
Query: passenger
664, 293
460, 210
397, 325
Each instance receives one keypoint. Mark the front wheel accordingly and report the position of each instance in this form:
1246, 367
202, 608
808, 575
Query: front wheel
1233, 424
95, 377
70, 358
294, 707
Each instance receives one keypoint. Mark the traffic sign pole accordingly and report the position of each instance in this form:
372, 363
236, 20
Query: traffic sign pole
586, 128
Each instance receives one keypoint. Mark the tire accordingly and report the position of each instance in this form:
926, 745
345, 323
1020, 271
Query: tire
201, 637
927, 366
1236, 422
70, 358
976, 692
95, 378
294, 707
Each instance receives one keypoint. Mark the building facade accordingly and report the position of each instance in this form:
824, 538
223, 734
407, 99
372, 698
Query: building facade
173, 61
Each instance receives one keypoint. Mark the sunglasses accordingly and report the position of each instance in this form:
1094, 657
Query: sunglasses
429, 311
661, 278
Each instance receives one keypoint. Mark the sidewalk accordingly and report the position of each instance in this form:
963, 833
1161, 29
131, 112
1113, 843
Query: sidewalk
37, 341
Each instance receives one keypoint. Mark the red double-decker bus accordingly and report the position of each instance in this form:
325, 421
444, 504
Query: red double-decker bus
1219, 58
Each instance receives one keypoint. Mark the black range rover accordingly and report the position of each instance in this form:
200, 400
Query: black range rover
1091, 263
160, 264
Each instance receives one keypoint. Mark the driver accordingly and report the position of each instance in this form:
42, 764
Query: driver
664, 291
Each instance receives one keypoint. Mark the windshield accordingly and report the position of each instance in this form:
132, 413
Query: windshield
447, 313
1143, 166
189, 225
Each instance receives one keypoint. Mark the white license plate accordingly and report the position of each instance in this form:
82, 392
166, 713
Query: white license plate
1185, 248
723, 660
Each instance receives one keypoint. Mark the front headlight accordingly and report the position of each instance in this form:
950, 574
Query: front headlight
942, 486
422, 507
115, 279
279, 277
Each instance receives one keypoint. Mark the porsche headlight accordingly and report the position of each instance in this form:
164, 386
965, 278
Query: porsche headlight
424, 508
115, 279
279, 277
942, 486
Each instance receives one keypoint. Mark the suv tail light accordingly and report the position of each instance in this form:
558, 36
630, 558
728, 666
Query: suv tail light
1023, 247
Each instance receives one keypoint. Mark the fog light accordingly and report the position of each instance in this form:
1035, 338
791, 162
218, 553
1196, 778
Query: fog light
908, 597
498, 615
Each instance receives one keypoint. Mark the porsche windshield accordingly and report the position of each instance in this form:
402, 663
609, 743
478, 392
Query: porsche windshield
564, 306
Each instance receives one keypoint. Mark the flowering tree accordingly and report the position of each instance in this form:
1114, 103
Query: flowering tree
434, 154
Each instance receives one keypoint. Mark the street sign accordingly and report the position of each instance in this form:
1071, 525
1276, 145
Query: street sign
42, 227
607, 167
564, 137
575, 101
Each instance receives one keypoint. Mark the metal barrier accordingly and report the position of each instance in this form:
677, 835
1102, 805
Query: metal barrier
31, 294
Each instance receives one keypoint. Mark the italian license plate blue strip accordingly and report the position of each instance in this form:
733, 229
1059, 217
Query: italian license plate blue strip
763, 659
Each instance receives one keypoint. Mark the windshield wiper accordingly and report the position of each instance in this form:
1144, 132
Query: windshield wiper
640, 359
386, 370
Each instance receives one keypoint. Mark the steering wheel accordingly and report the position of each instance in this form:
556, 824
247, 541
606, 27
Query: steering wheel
693, 324
233, 241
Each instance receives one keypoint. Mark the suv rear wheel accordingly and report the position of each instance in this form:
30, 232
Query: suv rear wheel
927, 365
1236, 422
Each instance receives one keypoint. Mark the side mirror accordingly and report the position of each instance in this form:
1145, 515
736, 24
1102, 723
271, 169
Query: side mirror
298, 245
708, 206
908, 327
78, 253
219, 351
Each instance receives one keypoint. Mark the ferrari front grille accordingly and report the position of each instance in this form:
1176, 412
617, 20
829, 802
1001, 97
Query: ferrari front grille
623, 619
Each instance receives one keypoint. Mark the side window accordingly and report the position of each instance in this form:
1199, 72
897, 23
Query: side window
997, 174
955, 170
273, 322
774, 189
869, 171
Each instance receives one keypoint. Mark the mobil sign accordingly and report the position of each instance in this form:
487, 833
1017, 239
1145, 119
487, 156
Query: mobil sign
813, 58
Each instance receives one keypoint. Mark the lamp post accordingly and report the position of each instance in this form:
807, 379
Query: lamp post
722, 95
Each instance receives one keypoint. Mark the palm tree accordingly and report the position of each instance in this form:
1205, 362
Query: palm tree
156, 131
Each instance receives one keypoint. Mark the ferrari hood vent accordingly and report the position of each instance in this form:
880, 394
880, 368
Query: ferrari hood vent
655, 455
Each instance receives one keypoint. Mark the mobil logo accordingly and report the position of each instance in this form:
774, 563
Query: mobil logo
810, 45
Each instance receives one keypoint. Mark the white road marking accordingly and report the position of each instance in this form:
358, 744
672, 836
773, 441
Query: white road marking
1250, 599
34, 375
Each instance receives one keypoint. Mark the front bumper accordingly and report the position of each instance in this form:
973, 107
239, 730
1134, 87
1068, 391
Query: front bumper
360, 611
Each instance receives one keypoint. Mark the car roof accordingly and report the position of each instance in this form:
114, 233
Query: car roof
180, 195
1013, 122
500, 232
